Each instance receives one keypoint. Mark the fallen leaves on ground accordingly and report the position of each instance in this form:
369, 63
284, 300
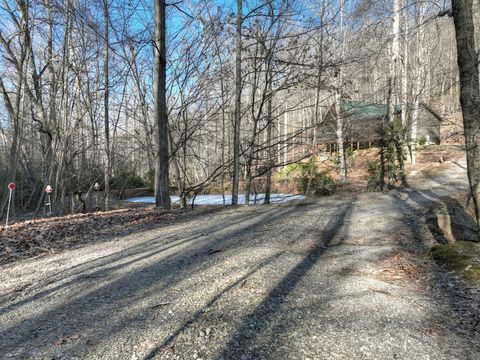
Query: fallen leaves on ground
42, 236
399, 266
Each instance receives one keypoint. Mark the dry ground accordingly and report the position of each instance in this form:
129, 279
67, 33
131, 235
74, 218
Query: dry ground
336, 278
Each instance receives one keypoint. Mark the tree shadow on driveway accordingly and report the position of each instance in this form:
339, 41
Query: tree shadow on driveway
105, 266
93, 309
255, 322
455, 301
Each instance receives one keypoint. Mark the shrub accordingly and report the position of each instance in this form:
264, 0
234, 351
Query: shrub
392, 153
308, 178
313, 181
150, 179
289, 170
321, 183
126, 180
373, 176
349, 158
422, 141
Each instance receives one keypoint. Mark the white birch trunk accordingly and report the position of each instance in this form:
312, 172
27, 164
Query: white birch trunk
394, 59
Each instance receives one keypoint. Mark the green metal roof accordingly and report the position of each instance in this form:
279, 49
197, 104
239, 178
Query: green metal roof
360, 110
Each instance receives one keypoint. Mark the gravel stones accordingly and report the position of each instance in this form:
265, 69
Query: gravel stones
290, 282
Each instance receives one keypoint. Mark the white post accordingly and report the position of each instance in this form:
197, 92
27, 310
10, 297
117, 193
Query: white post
49, 190
8, 207
96, 187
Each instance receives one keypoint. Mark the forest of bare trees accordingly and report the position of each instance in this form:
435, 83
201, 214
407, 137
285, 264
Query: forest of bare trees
132, 132
194, 93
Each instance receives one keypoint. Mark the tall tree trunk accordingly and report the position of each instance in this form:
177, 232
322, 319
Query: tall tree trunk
250, 153
340, 139
317, 113
52, 118
238, 105
39, 115
224, 122
405, 64
13, 111
108, 165
467, 59
394, 57
268, 181
285, 130
418, 88
14, 116
162, 197
393, 84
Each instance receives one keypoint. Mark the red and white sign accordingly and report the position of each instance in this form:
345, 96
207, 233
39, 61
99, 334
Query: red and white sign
11, 186
48, 189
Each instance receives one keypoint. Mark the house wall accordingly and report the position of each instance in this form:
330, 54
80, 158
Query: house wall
428, 127
366, 131
369, 130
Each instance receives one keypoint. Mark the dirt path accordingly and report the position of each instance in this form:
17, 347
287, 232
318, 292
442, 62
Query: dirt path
334, 278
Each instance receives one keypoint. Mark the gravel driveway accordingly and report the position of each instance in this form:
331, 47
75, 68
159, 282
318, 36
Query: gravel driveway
337, 278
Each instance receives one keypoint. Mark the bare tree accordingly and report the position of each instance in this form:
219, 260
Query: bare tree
418, 84
238, 105
342, 163
106, 62
162, 197
467, 58
87, 105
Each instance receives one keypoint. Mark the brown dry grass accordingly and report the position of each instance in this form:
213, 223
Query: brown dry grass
399, 266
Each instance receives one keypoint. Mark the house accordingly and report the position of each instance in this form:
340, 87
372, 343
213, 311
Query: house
362, 124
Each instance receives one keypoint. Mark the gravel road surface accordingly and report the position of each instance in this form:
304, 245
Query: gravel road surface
334, 278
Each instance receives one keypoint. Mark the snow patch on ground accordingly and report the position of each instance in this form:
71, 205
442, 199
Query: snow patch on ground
218, 199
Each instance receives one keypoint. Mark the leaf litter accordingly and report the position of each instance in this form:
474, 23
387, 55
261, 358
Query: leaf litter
39, 237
